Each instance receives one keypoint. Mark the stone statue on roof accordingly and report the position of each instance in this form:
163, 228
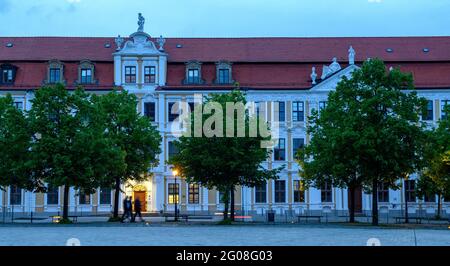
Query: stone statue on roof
119, 41
161, 41
141, 22
351, 55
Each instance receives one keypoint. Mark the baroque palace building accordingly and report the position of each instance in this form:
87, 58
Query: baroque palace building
286, 77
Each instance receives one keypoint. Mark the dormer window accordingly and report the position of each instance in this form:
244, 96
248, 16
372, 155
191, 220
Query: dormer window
130, 74
86, 72
193, 73
8, 74
193, 76
54, 75
55, 72
86, 76
223, 70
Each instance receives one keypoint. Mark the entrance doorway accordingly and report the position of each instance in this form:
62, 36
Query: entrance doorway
140, 192
358, 200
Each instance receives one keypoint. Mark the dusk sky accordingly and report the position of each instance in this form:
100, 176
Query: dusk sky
226, 18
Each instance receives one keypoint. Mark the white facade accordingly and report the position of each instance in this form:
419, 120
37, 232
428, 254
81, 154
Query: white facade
141, 54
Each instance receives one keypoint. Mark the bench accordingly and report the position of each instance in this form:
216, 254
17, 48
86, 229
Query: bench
309, 216
401, 218
57, 218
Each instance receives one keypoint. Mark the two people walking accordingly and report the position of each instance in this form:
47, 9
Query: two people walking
128, 209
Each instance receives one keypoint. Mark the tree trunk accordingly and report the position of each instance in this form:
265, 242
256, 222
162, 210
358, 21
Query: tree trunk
352, 204
116, 198
406, 202
232, 203
375, 203
66, 202
438, 216
226, 201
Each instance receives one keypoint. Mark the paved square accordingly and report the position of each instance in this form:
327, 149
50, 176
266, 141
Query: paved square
246, 235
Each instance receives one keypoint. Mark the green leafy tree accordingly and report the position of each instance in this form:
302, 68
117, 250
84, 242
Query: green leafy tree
69, 148
15, 139
435, 176
334, 132
379, 122
220, 161
134, 135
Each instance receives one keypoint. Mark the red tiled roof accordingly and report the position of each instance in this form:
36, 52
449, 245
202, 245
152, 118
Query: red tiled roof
236, 49
259, 63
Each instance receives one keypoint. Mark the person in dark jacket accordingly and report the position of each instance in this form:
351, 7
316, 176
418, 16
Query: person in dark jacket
127, 208
137, 209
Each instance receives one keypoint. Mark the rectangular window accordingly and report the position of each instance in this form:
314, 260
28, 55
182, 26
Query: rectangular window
150, 111
326, 192
193, 76
52, 196
261, 193
150, 74
86, 76
298, 111
297, 143
15, 195
105, 196
130, 74
173, 149
18, 105
84, 198
383, 192
54, 75
224, 76
280, 191
299, 191
221, 197
444, 103
428, 116
261, 110
322, 105
7, 76
429, 198
280, 111
174, 192
174, 111
194, 194
280, 150
410, 186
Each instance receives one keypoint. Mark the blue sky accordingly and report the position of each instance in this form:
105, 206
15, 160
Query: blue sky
226, 18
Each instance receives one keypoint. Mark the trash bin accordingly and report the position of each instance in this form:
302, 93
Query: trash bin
271, 216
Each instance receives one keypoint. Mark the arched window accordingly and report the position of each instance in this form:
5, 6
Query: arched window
8, 74
86, 72
55, 72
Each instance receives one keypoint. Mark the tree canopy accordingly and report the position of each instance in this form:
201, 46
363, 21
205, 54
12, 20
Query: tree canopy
217, 160
130, 133
15, 139
368, 134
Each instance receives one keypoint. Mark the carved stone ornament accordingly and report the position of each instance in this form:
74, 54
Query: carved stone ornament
351, 55
119, 41
314, 76
141, 22
161, 42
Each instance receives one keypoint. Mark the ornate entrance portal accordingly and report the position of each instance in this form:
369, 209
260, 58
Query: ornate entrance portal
140, 192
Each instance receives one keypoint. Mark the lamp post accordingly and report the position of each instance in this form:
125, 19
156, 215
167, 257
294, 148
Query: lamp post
175, 173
